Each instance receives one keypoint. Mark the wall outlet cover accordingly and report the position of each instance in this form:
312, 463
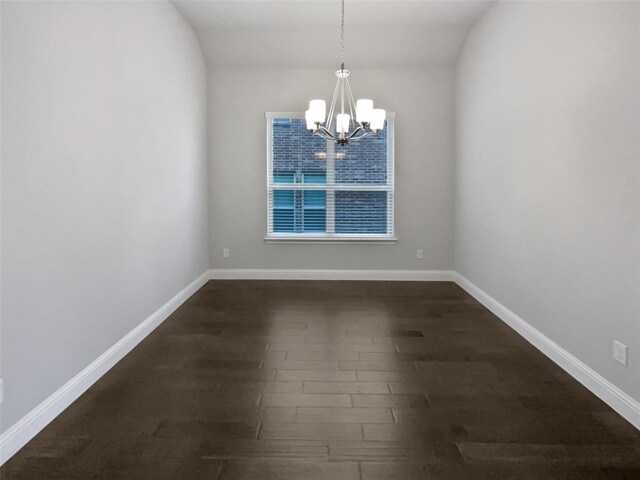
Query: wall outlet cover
420, 254
226, 253
620, 352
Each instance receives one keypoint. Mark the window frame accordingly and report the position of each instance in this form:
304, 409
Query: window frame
330, 188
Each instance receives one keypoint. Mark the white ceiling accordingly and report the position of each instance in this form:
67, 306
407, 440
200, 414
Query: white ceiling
305, 33
306, 13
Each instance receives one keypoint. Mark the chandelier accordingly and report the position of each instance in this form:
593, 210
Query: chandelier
368, 120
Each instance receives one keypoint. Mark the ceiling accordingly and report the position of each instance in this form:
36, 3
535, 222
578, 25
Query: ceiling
306, 13
306, 33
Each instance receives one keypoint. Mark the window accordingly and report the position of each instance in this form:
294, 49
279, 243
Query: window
318, 190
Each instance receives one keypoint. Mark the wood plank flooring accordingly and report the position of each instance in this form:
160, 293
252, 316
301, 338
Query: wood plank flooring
333, 380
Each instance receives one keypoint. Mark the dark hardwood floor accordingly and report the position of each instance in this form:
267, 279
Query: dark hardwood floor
333, 380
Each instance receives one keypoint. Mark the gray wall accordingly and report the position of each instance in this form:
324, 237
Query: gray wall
423, 101
104, 182
548, 173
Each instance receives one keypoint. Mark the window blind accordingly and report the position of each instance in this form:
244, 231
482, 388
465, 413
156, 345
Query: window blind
317, 189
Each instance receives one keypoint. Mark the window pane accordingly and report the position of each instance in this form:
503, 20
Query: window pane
362, 162
360, 212
314, 177
283, 177
283, 220
283, 199
315, 199
315, 220
314, 211
283, 211
299, 211
314, 204
295, 150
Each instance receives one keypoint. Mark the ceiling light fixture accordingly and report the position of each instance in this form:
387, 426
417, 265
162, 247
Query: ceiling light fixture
368, 120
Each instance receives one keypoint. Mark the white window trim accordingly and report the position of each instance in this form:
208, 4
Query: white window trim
314, 238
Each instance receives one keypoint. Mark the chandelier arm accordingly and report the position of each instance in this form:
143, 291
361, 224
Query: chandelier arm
350, 102
363, 135
358, 134
333, 105
355, 132
321, 135
324, 133
353, 103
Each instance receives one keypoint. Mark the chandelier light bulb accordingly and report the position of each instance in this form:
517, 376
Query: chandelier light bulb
378, 117
364, 110
311, 125
318, 109
342, 123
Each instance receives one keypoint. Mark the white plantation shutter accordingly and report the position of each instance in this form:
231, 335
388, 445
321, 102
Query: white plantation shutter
319, 190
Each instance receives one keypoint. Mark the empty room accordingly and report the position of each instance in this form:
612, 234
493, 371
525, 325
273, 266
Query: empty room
319, 240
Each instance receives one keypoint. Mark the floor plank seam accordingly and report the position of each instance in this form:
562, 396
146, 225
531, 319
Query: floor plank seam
219, 472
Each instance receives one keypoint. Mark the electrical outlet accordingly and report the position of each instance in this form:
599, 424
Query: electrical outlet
420, 254
620, 352
226, 253
1, 390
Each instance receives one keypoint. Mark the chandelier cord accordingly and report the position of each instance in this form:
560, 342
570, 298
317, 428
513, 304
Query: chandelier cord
342, 37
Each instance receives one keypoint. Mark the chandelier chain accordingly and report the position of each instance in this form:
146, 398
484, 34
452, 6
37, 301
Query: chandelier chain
342, 36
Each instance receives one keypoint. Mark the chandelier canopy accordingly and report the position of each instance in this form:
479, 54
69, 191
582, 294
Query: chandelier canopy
346, 128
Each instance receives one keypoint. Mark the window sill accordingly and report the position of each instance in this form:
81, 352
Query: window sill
317, 239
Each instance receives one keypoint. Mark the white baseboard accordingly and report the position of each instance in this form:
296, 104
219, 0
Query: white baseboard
622, 403
322, 274
28, 426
